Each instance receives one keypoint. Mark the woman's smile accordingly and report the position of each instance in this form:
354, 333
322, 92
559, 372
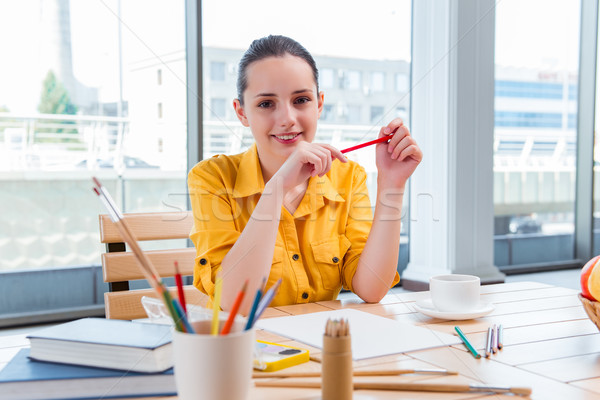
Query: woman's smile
287, 137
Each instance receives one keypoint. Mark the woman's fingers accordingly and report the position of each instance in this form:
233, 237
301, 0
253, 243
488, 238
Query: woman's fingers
392, 127
400, 134
334, 152
411, 151
319, 156
402, 144
316, 161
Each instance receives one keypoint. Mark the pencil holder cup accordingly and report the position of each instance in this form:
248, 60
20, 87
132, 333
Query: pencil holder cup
336, 364
213, 367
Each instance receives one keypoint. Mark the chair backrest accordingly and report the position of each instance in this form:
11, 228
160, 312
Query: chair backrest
120, 266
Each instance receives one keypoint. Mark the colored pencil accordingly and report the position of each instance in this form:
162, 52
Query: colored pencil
500, 337
360, 146
494, 338
263, 287
179, 283
467, 343
253, 309
216, 306
265, 301
234, 309
182, 317
488, 342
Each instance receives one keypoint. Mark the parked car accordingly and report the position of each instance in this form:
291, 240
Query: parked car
525, 225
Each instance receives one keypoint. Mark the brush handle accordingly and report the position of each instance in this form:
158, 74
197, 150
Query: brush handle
373, 372
416, 387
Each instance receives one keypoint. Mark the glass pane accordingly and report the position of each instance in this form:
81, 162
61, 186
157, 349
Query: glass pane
85, 96
537, 47
363, 56
596, 198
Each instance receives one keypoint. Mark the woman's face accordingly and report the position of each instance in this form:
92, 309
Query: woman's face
281, 105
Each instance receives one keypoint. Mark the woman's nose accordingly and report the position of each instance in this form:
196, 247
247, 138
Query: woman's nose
287, 116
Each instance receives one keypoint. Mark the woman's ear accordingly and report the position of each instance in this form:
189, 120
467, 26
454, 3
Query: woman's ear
239, 111
320, 102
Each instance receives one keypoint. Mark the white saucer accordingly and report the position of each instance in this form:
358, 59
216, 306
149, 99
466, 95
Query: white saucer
426, 307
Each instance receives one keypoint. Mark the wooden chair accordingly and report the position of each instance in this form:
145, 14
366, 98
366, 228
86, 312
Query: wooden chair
120, 266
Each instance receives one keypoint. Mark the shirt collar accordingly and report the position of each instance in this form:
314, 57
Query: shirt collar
249, 178
319, 188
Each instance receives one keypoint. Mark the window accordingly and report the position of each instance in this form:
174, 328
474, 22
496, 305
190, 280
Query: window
97, 128
401, 83
528, 119
377, 81
376, 114
217, 108
326, 78
327, 115
596, 162
350, 80
354, 114
402, 113
535, 131
217, 71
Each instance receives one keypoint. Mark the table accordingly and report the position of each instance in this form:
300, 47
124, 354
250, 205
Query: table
550, 345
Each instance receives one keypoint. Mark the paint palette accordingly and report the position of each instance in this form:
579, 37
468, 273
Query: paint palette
271, 357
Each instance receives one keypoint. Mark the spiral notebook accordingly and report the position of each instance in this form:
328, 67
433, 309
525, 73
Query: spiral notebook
372, 335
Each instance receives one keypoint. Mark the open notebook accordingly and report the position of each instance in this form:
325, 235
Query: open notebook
372, 335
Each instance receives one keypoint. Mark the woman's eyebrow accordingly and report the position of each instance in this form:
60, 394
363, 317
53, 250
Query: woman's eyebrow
302, 91
274, 95
266, 95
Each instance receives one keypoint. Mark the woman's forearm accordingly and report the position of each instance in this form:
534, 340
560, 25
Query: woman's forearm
378, 262
251, 256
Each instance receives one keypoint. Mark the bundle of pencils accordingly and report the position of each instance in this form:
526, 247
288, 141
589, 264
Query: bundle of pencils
336, 328
146, 266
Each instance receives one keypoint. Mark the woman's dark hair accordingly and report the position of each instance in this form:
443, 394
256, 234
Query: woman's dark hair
271, 46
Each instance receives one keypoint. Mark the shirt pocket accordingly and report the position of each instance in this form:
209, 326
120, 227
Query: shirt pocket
276, 271
328, 256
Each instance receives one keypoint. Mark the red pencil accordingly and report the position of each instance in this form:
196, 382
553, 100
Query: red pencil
179, 283
360, 146
234, 309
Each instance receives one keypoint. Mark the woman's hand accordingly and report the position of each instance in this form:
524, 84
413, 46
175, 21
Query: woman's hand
396, 160
307, 160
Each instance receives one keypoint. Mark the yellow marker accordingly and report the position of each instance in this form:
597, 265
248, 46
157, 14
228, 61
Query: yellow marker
216, 305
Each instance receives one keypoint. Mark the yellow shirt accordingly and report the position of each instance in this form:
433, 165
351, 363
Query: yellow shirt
317, 248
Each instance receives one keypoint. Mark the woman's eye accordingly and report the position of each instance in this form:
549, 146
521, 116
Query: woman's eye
302, 100
264, 104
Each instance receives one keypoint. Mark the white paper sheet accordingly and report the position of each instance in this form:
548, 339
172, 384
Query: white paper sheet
372, 335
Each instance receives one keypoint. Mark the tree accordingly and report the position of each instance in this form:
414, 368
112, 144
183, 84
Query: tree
3, 109
55, 99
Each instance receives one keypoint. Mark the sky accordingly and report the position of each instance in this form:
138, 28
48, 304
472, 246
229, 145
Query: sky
529, 33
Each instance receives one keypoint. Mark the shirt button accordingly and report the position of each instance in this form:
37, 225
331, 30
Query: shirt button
295, 257
203, 261
305, 295
335, 259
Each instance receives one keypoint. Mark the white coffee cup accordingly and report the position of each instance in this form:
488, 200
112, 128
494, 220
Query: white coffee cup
454, 293
213, 367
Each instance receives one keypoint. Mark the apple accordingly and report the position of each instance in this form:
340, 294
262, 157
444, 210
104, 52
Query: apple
590, 279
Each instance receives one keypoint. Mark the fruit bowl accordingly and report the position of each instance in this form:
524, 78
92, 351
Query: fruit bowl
592, 308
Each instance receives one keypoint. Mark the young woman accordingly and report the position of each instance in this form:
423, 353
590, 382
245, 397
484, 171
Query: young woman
292, 209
